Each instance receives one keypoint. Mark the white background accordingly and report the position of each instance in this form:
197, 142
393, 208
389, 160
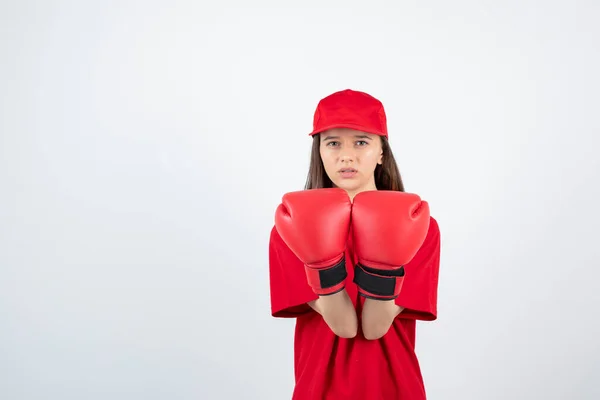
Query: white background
145, 145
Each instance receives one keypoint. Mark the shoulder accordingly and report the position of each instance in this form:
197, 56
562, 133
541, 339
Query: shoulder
434, 228
431, 244
274, 237
276, 243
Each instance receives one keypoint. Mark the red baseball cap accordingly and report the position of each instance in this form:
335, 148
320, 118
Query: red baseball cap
350, 109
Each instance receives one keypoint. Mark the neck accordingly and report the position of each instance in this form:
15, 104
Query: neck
370, 186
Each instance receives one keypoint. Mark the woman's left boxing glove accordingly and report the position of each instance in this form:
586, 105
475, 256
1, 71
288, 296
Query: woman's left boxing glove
388, 228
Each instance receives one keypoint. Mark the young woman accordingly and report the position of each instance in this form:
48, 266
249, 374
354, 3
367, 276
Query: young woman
355, 259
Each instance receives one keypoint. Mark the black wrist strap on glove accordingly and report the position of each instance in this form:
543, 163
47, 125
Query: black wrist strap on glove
327, 281
334, 275
377, 283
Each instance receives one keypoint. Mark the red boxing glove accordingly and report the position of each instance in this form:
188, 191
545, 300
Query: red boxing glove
389, 227
315, 224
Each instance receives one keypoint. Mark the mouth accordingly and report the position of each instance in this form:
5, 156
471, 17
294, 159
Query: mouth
347, 172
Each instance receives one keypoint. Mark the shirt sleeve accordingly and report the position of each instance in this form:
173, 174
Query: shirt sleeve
420, 286
289, 288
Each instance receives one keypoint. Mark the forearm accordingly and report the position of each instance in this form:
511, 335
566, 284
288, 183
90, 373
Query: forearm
377, 317
338, 312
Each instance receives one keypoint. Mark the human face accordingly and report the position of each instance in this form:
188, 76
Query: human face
350, 157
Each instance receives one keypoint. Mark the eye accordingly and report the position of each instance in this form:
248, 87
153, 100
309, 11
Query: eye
332, 143
364, 142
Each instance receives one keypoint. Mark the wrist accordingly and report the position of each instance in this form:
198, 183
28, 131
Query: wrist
389, 306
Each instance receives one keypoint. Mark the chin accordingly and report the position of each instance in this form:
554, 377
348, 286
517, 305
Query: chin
348, 184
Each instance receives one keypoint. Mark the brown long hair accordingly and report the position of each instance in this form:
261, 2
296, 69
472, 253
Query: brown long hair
387, 175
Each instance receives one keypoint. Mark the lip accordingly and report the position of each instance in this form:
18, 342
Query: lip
347, 173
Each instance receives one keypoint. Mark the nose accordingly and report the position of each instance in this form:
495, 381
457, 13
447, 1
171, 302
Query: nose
347, 155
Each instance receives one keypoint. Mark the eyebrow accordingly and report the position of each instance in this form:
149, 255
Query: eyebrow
356, 136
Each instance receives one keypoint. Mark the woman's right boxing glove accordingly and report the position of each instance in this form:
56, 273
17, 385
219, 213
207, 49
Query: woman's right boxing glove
315, 224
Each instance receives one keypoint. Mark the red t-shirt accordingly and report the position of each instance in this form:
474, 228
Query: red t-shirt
327, 367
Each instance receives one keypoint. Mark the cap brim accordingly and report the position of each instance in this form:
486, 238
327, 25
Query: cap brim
349, 126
